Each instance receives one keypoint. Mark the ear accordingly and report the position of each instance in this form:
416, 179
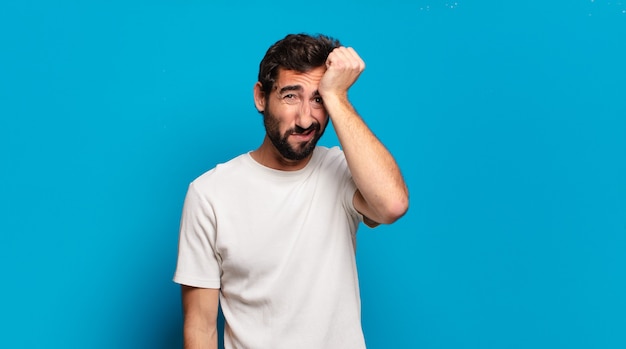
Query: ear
259, 97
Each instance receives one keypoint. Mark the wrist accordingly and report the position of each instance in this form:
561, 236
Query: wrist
335, 99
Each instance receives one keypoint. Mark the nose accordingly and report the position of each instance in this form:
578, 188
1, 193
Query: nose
305, 117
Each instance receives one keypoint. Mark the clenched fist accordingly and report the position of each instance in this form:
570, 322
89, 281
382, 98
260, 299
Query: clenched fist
343, 67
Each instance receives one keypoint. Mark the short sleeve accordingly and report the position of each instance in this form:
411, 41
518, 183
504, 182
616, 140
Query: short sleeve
349, 191
198, 264
347, 186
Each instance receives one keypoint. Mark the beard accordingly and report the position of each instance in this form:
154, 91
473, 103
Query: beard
281, 142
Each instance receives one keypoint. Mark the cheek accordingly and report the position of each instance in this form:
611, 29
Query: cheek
320, 115
322, 118
283, 117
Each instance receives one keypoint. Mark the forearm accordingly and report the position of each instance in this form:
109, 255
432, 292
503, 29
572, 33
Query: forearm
199, 337
200, 308
374, 170
382, 195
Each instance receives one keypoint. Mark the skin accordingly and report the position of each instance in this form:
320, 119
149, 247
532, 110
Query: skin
294, 104
200, 307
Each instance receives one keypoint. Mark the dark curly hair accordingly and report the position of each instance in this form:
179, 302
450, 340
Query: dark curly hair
299, 52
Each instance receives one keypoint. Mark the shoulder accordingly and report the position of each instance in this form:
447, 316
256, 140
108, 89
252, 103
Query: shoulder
329, 155
331, 166
221, 173
330, 158
323, 151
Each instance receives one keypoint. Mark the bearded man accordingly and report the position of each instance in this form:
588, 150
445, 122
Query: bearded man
270, 235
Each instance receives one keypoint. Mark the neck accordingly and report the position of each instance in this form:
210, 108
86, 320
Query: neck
268, 156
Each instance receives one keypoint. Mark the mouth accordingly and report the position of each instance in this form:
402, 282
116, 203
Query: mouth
304, 135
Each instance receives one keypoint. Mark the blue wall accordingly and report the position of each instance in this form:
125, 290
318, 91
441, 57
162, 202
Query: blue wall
508, 119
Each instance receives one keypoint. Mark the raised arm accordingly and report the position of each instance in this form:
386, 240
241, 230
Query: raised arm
382, 195
200, 317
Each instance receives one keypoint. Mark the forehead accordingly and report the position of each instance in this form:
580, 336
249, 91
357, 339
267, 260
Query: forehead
306, 80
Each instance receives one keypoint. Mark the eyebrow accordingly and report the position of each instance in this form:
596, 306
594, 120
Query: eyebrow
290, 88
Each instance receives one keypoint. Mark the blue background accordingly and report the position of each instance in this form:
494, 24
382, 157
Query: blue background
507, 118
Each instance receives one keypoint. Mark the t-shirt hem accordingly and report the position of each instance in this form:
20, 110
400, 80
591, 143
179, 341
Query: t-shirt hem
189, 281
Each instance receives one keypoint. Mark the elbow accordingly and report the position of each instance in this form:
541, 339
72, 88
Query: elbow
395, 210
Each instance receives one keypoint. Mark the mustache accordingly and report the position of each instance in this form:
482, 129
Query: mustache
299, 130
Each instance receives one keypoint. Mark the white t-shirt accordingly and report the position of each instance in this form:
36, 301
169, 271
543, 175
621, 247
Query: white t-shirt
281, 247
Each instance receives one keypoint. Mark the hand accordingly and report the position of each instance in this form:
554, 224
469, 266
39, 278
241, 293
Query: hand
343, 67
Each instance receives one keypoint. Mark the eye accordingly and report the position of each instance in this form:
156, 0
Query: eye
290, 98
317, 102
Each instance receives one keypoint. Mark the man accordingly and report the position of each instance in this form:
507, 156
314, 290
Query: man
271, 234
